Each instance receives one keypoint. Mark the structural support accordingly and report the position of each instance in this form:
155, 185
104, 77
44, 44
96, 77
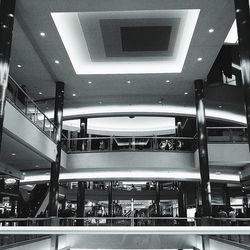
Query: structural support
7, 11
203, 152
80, 202
54, 242
182, 200
158, 198
227, 196
82, 144
55, 166
110, 200
182, 203
243, 27
245, 204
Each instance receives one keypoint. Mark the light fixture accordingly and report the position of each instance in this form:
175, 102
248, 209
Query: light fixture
10, 181
199, 59
100, 102
37, 166
220, 106
186, 93
167, 81
40, 93
57, 62
42, 34
133, 175
77, 48
11, 15
211, 30
73, 94
13, 154
19, 65
89, 82
128, 81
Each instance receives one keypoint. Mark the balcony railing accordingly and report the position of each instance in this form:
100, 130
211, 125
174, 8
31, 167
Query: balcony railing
19, 98
113, 143
227, 134
124, 221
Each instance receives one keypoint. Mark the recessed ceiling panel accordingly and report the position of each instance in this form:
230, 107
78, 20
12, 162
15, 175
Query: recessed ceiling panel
74, 39
113, 39
145, 38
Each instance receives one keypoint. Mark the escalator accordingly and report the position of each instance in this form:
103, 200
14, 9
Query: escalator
36, 203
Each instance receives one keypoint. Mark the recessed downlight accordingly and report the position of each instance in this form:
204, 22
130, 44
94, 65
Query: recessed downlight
13, 154
89, 82
57, 62
40, 93
42, 34
128, 81
19, 65
36, 166
186, 93
199, 59
167, 81
100, 102
211, 30
73, 94
220, 106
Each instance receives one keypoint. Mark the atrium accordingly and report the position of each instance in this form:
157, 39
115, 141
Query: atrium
124, 124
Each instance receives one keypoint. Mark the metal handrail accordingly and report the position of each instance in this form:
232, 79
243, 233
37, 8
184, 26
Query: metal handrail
227, 127
30, 100
121, 218
128, 137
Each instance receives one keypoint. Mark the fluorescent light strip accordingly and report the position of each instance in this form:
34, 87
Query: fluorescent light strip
166, 110
132, 175
70, 31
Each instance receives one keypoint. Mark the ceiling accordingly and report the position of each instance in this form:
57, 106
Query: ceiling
20, 157
37, 54
140, 81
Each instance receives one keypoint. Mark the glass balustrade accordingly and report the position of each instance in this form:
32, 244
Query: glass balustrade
17, 96
227, 134
106, 144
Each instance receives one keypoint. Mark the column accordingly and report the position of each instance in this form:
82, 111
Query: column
82, 144
157, 198
243, 27
80, 202
110, 200
203, 152
7, 11
55, 166
227, 196
182, 202
205, 242
54, 242
245, 203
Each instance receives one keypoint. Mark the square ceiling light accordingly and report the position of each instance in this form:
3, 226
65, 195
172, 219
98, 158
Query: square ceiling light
74, 37
145, 38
